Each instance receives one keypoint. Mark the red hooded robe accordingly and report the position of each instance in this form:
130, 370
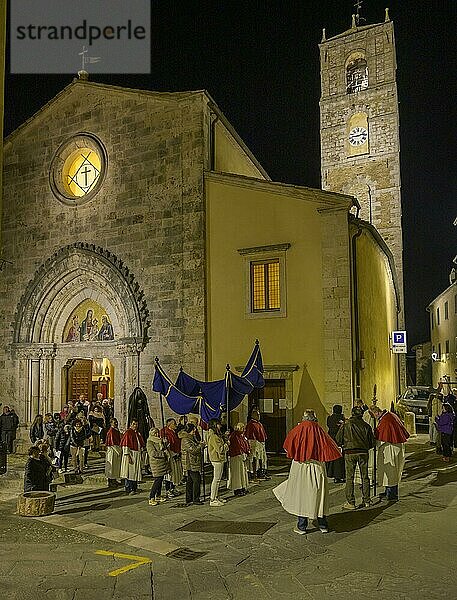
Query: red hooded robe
255, 431
238, 444
113, 437
308, 441
173, 439
133, 440
391, 429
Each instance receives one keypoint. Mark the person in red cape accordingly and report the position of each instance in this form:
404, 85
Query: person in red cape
239, 449
305, 492
174, 449
113, 454
391, 435
131, 443
256, 435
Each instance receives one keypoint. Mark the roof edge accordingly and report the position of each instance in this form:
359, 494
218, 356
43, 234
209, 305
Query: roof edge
317, 196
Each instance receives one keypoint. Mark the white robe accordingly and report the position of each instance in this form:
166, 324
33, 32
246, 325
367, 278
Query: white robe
390, 462
131, 471
113, 462
305, 492
258, 452
238, 474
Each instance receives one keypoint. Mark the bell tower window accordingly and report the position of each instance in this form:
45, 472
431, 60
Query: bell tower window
356, 76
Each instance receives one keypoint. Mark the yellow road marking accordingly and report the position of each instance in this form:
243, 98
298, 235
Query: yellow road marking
139, 560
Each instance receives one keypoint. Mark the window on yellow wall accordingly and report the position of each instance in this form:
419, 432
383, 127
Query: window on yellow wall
265, 286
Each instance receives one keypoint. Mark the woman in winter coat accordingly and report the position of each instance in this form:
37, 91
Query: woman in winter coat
336, 468
217, 452
239, 449
88, 435
97, 423
37, 430
191, 454
45, 458
50, 430
63, 446
35, 475
445, 426
157, 449
78, 437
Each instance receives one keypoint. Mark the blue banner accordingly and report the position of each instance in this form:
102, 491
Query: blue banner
182, 403
232, 389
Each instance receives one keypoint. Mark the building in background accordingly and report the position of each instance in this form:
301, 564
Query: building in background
443, 331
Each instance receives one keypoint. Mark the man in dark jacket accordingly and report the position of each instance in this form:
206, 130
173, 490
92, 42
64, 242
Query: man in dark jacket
356, 438
9, 422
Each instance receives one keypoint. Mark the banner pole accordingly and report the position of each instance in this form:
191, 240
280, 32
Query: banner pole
375, 450
227, 383
161, 411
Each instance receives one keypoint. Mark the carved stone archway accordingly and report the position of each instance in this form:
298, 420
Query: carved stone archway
73, 274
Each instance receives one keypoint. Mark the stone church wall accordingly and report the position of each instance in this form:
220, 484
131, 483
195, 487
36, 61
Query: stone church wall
149, 213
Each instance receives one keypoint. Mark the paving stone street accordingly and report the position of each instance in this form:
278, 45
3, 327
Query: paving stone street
102, 544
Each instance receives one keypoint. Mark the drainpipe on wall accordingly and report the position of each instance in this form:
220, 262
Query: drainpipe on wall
212, 142
355, 311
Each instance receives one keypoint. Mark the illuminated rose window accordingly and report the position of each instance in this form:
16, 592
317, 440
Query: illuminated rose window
78, 169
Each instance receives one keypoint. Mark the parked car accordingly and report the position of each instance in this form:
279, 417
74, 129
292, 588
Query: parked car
414, 399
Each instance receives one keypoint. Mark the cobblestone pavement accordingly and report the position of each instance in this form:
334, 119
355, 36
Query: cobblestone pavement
403, 550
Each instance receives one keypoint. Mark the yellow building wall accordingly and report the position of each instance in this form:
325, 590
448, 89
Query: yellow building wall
244, 218
229, 157
377, 319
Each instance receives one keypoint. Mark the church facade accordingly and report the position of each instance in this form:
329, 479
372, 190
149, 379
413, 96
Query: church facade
138, 224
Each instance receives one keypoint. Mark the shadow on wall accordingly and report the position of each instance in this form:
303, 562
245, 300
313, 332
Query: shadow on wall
308, 397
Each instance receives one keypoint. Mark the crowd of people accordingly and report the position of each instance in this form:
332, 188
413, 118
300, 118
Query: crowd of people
442, 421
315, 454
176, 454
79, 427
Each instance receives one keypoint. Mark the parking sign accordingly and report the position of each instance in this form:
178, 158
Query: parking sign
399, 342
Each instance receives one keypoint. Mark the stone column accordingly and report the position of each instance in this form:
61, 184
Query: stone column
35, 391
47, 399
129, 351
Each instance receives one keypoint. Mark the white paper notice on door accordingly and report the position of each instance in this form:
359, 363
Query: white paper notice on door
282, 404
268, 405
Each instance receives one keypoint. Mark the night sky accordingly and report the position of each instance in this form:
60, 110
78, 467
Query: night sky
260, 62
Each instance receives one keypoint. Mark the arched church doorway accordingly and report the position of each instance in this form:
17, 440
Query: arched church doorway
81, 325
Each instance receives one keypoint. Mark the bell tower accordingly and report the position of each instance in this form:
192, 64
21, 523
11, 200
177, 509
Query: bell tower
359, 127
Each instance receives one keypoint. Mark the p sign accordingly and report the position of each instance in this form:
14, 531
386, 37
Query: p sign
399, 342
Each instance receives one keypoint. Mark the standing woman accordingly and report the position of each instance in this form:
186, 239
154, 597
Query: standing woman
96, 422
37, 430
336, 468
217, 452
50, 430
445, 426
113, 454
77, 441
157, 449
238, 453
